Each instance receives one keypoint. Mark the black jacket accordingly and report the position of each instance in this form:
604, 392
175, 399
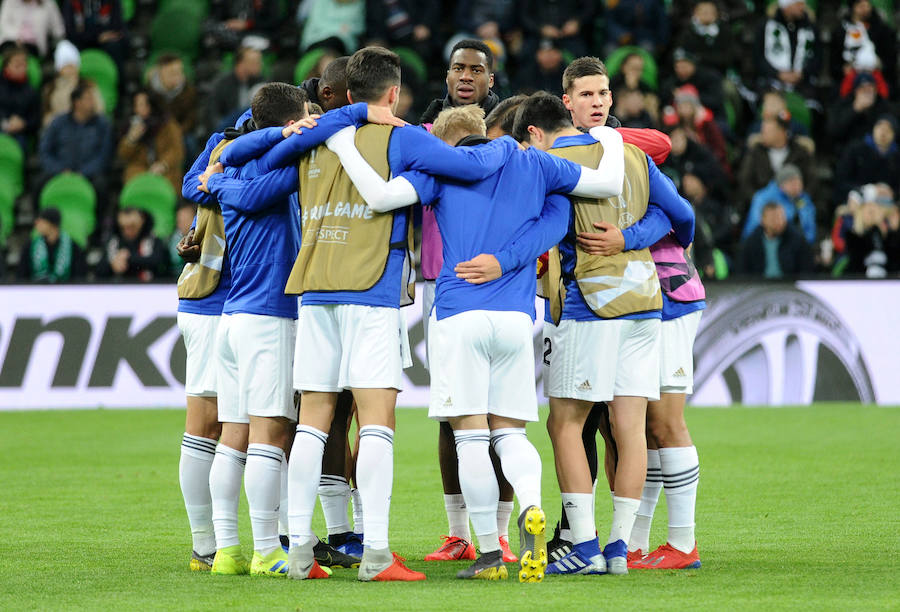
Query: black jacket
862, 163
438, 104
794, 254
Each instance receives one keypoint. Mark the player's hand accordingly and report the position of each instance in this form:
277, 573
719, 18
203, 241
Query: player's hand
187, 249
296, 127
211, 169
609, 241
481, 269
383, 116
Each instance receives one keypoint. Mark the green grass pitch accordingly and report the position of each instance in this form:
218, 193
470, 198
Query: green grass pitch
798, 509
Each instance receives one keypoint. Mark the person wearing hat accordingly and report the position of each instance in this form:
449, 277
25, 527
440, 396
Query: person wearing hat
698, 121
788, 51
707, 82
787, 190
51, 256
56, 97
852, 117
774, 148
873, 159
861, 40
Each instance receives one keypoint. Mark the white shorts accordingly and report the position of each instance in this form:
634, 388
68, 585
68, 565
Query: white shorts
255, 354
427, 303
676, 353
347, 346
547, 354
199, 333
486, 365
598, 360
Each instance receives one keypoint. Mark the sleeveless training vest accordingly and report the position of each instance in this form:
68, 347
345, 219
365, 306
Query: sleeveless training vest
345, 245
199, 279
620, 284
678, 277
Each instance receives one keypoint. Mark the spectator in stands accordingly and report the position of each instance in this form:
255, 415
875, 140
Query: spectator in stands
404, 23
690, 157
51, 256
773, 106
32, 23
153, 142
774, 148
330, 90
134, 252
631, 109
184, 218
20, 108
862, 32
544, 71
494, 20
629, 78
873, 242
563, 23
231, 92
716, 220
56, 98
874, 159
708, 38
333, 24
775, 249
78, 141
706, 81
788, 52
636, 22
168, 81
236, 20
787, 190
853, 117
97, 23
698, 123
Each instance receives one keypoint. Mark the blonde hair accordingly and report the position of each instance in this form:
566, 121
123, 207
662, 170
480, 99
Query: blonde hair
459, 121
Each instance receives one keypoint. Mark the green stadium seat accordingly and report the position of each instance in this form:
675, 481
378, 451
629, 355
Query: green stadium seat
306, 63
128, 8
74, 197
100, 68
176, 28
154, 194
35, 72
198, 7
7, 212
414, 61
12, 164
650, 76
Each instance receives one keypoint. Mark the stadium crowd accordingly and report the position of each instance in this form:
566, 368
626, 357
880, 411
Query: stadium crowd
788, 153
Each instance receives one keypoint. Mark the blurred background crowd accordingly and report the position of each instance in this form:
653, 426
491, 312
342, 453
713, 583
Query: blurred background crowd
782, 113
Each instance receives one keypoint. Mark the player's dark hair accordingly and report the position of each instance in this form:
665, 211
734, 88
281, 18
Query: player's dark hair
582, 67
542, 110
277, 103
335, 73
370, 72
476, 45
504, 114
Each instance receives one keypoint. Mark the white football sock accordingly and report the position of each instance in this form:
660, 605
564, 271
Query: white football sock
521, 464
579, 508
193, 474
640, 533
457, 516
334, 495
356, 502
681, 475
225, 476
262, 484
283, 523
504, 511
304, 471
375, 477
479, 485
624, 511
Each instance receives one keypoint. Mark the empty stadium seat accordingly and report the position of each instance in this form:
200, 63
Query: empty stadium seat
154, 194
7, 211
12, 163
306, 63
100, 68
74, 197
176, 28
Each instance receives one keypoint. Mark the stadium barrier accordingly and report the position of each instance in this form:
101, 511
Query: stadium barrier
118, 346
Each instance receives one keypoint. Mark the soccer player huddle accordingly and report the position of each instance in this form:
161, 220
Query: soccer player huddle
320, 205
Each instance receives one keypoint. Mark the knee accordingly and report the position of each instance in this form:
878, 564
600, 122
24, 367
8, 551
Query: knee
667, 432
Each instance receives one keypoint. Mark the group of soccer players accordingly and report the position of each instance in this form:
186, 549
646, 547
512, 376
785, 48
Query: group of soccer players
320, 206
